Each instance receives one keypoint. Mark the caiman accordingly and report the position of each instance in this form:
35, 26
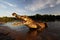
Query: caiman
31, 24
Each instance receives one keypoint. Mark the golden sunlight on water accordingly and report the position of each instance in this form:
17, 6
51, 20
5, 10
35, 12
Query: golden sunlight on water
52, 32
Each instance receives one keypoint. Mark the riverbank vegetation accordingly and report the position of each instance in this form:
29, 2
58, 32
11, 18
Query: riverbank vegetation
7, 19
46, 17
34, 17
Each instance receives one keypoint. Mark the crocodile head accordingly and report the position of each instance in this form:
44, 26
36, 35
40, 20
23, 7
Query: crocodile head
14, 14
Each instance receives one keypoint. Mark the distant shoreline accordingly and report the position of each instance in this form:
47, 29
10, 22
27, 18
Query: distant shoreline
34, 17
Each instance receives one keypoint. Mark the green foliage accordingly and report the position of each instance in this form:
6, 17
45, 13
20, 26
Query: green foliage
46, 17
6, 19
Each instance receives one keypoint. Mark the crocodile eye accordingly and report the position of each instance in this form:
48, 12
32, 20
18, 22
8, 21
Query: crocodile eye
14, 14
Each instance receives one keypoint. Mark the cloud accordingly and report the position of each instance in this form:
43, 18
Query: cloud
10, 8
41, 4
58, 1
2, 6
9, 4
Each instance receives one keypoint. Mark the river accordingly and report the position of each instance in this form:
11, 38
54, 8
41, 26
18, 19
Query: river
52, 32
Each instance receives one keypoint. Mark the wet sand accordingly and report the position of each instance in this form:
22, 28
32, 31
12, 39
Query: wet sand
52, 32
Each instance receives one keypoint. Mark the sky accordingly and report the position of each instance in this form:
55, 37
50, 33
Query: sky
29, 7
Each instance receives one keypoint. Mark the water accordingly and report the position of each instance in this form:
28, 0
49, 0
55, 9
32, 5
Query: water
52, 32
16, 28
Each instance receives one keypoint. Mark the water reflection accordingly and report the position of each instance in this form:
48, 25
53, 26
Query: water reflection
31, 35
17, 28
37, 35
52, 32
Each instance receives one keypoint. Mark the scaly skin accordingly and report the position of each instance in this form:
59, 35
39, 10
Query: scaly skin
29, 22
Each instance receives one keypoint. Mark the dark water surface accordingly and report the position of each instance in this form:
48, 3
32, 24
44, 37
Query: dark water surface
9, 32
